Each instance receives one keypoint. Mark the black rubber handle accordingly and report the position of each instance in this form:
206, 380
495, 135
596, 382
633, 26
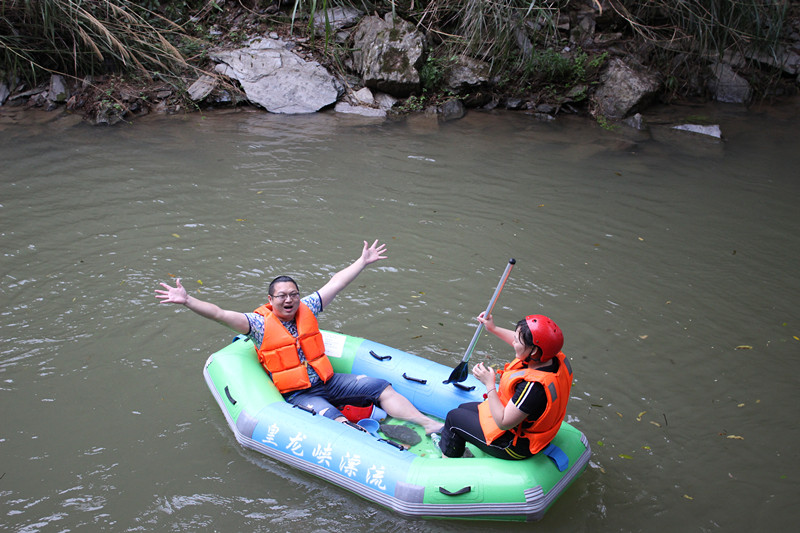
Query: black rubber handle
417, 380
380, 357
456, 493
305, 408
228, 394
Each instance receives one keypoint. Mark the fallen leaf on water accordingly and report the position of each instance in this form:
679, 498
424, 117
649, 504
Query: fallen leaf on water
734, 437
426, 327
688, 497
744, 347
176, 235
600, 443
643, 337
623, 456
171, 275
656, 424
619, 414
200, 282
645, 447
639, 418
796, 337
641, 238
740, 405
241, 219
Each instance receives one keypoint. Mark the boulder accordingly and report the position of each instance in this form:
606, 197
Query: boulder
335, 18
388, 54
727, 86
624, 89
57, 92
470, 79
4, 91
276, 79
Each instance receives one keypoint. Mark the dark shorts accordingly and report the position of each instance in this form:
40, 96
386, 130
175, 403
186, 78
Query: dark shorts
341, 389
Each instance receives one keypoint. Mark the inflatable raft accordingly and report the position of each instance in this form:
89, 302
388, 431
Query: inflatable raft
413, 481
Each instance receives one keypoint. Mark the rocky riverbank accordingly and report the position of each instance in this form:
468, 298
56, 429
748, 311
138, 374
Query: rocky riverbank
391, 68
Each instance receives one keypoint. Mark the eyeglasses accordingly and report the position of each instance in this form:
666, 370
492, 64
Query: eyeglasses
281, 296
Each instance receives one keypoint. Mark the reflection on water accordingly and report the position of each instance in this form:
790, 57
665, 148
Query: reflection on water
668, 259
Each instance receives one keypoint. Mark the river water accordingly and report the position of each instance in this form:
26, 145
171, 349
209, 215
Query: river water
668, 259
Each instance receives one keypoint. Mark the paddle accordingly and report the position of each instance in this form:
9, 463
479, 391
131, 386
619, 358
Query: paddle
459, 373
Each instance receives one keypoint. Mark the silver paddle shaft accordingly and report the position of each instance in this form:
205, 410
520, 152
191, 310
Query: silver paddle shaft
489, 308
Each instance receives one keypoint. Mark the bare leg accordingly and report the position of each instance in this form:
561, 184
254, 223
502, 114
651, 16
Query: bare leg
397, 406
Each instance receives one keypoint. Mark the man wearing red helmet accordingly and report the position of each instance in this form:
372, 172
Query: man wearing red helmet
522, 417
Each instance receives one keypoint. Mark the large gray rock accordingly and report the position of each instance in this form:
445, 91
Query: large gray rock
388, 53
275, 78
624, 89
727, 86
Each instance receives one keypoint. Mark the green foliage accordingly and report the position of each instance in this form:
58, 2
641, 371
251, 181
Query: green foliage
432, 72
73, 37
548, 67
707, 26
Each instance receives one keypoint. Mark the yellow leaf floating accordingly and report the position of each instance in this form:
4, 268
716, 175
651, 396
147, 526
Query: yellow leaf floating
744, 347
619, 414
688, 497
639, 418
200, 282
624, 456
740, 405
176, 235
656, 424
734, 437
241, 219
796, 337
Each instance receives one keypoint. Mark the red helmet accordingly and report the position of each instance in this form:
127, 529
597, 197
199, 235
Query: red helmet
546, 335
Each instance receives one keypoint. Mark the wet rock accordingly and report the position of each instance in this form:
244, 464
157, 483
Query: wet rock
452, 110
727, 86
624, 89
636, 122
711, 131
388, 53
276, 79
364, 103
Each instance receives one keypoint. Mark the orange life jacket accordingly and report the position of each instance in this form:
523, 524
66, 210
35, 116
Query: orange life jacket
541, 431
279, 355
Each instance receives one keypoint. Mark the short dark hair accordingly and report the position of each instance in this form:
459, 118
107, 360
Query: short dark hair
525, 333
283, 279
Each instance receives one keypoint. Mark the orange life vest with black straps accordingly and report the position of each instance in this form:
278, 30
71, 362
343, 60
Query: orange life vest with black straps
279, 355
541, 431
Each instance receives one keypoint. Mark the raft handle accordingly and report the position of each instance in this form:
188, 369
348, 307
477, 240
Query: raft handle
464, 387
456, 493
393, 443
306, 409
228, 394
409, 378
380, 357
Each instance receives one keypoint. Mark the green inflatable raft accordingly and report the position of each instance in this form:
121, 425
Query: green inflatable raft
413, 481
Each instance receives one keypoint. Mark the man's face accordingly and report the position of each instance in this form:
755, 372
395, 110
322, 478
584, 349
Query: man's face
285, 300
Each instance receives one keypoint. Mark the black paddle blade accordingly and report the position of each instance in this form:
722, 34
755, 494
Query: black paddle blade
458, 374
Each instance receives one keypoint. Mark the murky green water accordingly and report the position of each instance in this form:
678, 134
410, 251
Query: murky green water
658, 254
